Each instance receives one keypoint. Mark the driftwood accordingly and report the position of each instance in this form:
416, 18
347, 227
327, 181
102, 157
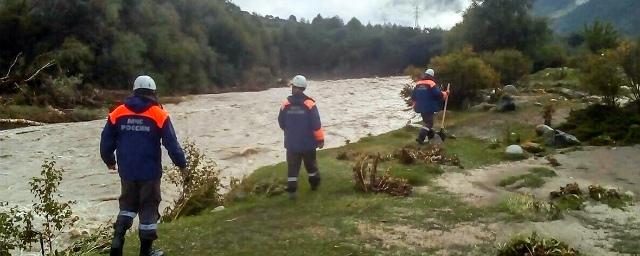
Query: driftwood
21, 122
16, 81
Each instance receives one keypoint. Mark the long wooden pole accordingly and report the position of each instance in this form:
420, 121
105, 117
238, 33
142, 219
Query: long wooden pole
446, 102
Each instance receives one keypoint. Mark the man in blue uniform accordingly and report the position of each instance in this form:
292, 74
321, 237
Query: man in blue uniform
300, 120
427, 100
135, 131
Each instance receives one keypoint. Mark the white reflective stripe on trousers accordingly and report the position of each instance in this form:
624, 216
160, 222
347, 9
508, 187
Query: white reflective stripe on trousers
128, 214
148, 227
292, 179
313, 174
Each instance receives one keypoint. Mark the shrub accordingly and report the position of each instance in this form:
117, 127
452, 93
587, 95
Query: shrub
631, 66
200, 185
415, 73
510, 64
600, 120
57, 215
602, 76
467, 74
535, 245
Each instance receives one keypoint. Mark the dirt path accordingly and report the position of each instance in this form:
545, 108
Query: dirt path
238, 130
594, 230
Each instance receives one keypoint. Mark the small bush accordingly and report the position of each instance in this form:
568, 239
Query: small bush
200, 185
599, 120
535, 245
415, 73
528, 207
510, 64
611, 197
467, 73
568, 197
603, 77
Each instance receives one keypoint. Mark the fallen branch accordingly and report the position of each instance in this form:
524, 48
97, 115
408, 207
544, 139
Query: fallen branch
49, 64
11, 67
21, 121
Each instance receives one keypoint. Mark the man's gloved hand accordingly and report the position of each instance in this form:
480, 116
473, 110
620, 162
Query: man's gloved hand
321, 144
112, 167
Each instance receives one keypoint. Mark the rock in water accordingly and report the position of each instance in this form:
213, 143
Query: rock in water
514, 150
533, 147
625, 91
510, 89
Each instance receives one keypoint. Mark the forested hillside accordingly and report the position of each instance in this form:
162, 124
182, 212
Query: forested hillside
196, 46
569, 16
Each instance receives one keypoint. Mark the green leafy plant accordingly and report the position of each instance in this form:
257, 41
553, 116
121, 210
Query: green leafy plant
16, 229
535, 245
477, 75
200, 185
56, 214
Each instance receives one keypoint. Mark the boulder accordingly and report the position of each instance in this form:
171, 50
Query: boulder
514, 150
510, 89
218, 209
506, 104
532, 147
542, 129
563, 139
483, 107
571, 94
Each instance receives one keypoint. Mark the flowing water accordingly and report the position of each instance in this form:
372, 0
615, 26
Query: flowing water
238, 130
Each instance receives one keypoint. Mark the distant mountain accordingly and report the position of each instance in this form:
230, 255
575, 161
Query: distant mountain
571, 15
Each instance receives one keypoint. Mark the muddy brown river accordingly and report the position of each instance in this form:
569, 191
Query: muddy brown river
238, 130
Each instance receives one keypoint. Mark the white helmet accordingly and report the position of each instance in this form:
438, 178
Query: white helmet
299, 81
144, 82
430, 72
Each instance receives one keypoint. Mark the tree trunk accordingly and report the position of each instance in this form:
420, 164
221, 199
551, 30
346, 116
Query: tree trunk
21, 122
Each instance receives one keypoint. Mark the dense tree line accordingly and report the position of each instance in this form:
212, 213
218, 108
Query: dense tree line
197, 45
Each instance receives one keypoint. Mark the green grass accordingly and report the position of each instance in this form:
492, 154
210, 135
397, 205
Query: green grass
330, 221
553, 77
533, 179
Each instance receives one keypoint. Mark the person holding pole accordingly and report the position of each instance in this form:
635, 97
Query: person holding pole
427, 100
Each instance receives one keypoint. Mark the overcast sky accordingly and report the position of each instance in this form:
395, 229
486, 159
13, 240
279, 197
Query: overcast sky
433, 13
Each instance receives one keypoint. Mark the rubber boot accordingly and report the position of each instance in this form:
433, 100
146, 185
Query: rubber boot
117, 244
314, 182
146, 248
422, 136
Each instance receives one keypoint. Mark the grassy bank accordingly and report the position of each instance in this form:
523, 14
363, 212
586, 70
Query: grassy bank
337, 220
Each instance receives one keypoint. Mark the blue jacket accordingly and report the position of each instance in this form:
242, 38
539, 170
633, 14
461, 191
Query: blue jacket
134, 131
300, 120
427, 97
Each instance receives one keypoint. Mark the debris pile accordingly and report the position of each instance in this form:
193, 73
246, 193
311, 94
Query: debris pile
433, 155
367, 180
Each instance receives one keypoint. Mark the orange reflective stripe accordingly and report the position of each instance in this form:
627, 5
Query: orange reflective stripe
309, 103
319, 134
430, 83
285, 103
155, 113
